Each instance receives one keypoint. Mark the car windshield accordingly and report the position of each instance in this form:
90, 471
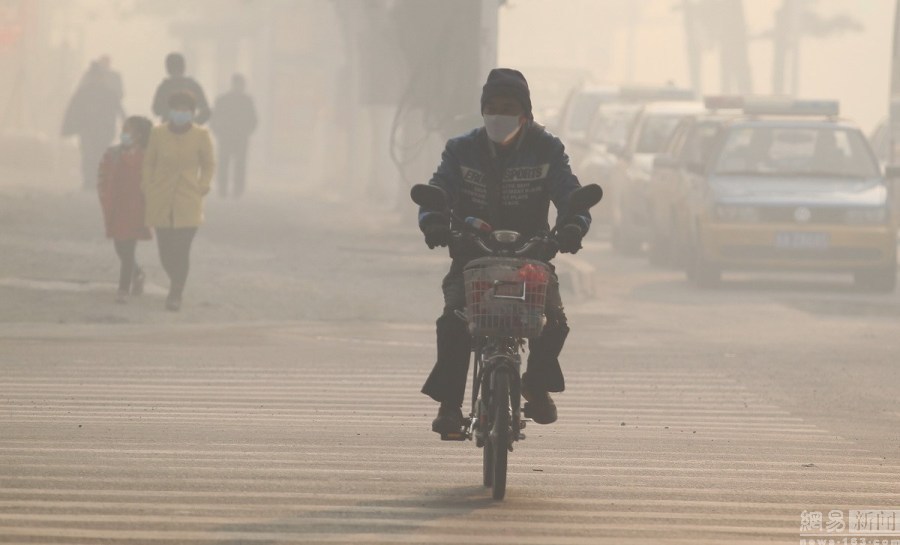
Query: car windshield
655, 133
611, 126
797, 151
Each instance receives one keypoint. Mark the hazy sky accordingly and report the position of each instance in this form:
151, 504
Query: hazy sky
574, 33
591, 34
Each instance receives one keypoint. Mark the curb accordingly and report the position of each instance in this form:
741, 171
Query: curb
579, 275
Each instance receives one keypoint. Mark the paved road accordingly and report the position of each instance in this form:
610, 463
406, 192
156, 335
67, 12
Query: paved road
689, 417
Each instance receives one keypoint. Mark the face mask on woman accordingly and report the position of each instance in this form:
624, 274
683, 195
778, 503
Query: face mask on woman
501, 128
127, 140
180, 118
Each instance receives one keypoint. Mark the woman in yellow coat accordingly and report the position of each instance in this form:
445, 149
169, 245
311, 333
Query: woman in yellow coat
178, 170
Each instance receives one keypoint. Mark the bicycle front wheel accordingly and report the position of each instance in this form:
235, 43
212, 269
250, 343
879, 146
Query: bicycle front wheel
500, 433
488, 464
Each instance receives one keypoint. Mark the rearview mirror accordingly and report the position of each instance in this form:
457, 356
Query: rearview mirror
583, 198
429, 197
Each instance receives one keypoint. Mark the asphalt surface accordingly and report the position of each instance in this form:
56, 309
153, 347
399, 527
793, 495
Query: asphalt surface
282, 406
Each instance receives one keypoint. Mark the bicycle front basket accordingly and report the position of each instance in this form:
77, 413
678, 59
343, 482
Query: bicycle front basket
506, 296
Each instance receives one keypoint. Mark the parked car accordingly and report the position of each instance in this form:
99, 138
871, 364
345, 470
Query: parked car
610, 128
576, 116
629, 183
689, 148
880, 140
789, 186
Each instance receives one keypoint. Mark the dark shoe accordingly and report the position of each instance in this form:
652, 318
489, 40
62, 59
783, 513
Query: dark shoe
173, 304
137, 282
539, 407
449, 420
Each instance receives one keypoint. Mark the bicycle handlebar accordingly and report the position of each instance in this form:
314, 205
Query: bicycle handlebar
463, 237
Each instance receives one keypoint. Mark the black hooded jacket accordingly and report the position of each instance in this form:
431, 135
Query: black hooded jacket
510, 189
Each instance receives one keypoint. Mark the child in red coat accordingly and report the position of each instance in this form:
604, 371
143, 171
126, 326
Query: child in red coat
119, 187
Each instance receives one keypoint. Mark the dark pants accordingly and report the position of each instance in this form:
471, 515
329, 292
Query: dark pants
447, 381
175, 254
125, 249
232, 152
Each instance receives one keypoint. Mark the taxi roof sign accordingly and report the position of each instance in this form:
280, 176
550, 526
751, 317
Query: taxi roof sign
789, 106
723, 102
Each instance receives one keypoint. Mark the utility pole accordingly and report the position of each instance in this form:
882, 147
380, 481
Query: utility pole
719, 26
795, 20
734, 58
786, 45
692, 35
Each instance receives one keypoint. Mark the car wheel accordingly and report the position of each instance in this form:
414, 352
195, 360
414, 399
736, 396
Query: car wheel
659, 251
700, 272
708, 277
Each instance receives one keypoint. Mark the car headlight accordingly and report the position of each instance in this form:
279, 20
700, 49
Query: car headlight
858, 216
737, 214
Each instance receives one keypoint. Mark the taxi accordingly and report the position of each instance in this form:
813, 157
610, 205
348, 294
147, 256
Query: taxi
788, 185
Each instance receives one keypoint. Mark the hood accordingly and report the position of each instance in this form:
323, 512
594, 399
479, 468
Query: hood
798, 191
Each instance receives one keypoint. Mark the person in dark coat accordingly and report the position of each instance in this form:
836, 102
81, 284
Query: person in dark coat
233, 123
177, 82
92, 115
114, 80
122, 201
507, 172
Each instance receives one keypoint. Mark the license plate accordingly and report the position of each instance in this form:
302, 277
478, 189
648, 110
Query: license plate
802, 241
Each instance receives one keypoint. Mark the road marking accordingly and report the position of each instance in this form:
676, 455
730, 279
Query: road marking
339, 451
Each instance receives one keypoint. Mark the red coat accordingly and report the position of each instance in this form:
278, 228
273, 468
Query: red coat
119, 188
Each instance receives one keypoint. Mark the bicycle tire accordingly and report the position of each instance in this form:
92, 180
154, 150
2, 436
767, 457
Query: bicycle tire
488, 464
500, 432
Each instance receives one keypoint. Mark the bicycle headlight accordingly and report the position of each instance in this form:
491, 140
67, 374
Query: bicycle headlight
857, 216
506, 237
737, 214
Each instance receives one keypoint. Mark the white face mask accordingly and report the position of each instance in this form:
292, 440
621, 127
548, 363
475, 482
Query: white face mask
501, 128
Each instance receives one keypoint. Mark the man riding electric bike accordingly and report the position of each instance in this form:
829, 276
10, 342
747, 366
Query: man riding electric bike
506, 174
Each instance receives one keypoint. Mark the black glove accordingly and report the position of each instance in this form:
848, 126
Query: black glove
569, 238
437, 230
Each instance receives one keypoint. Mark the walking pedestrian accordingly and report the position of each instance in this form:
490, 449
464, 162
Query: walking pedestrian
92, 115
177, 82
119, 189
233, 122
114, 81
178, 170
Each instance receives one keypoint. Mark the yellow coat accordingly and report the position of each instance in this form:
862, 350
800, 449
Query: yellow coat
178, 170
